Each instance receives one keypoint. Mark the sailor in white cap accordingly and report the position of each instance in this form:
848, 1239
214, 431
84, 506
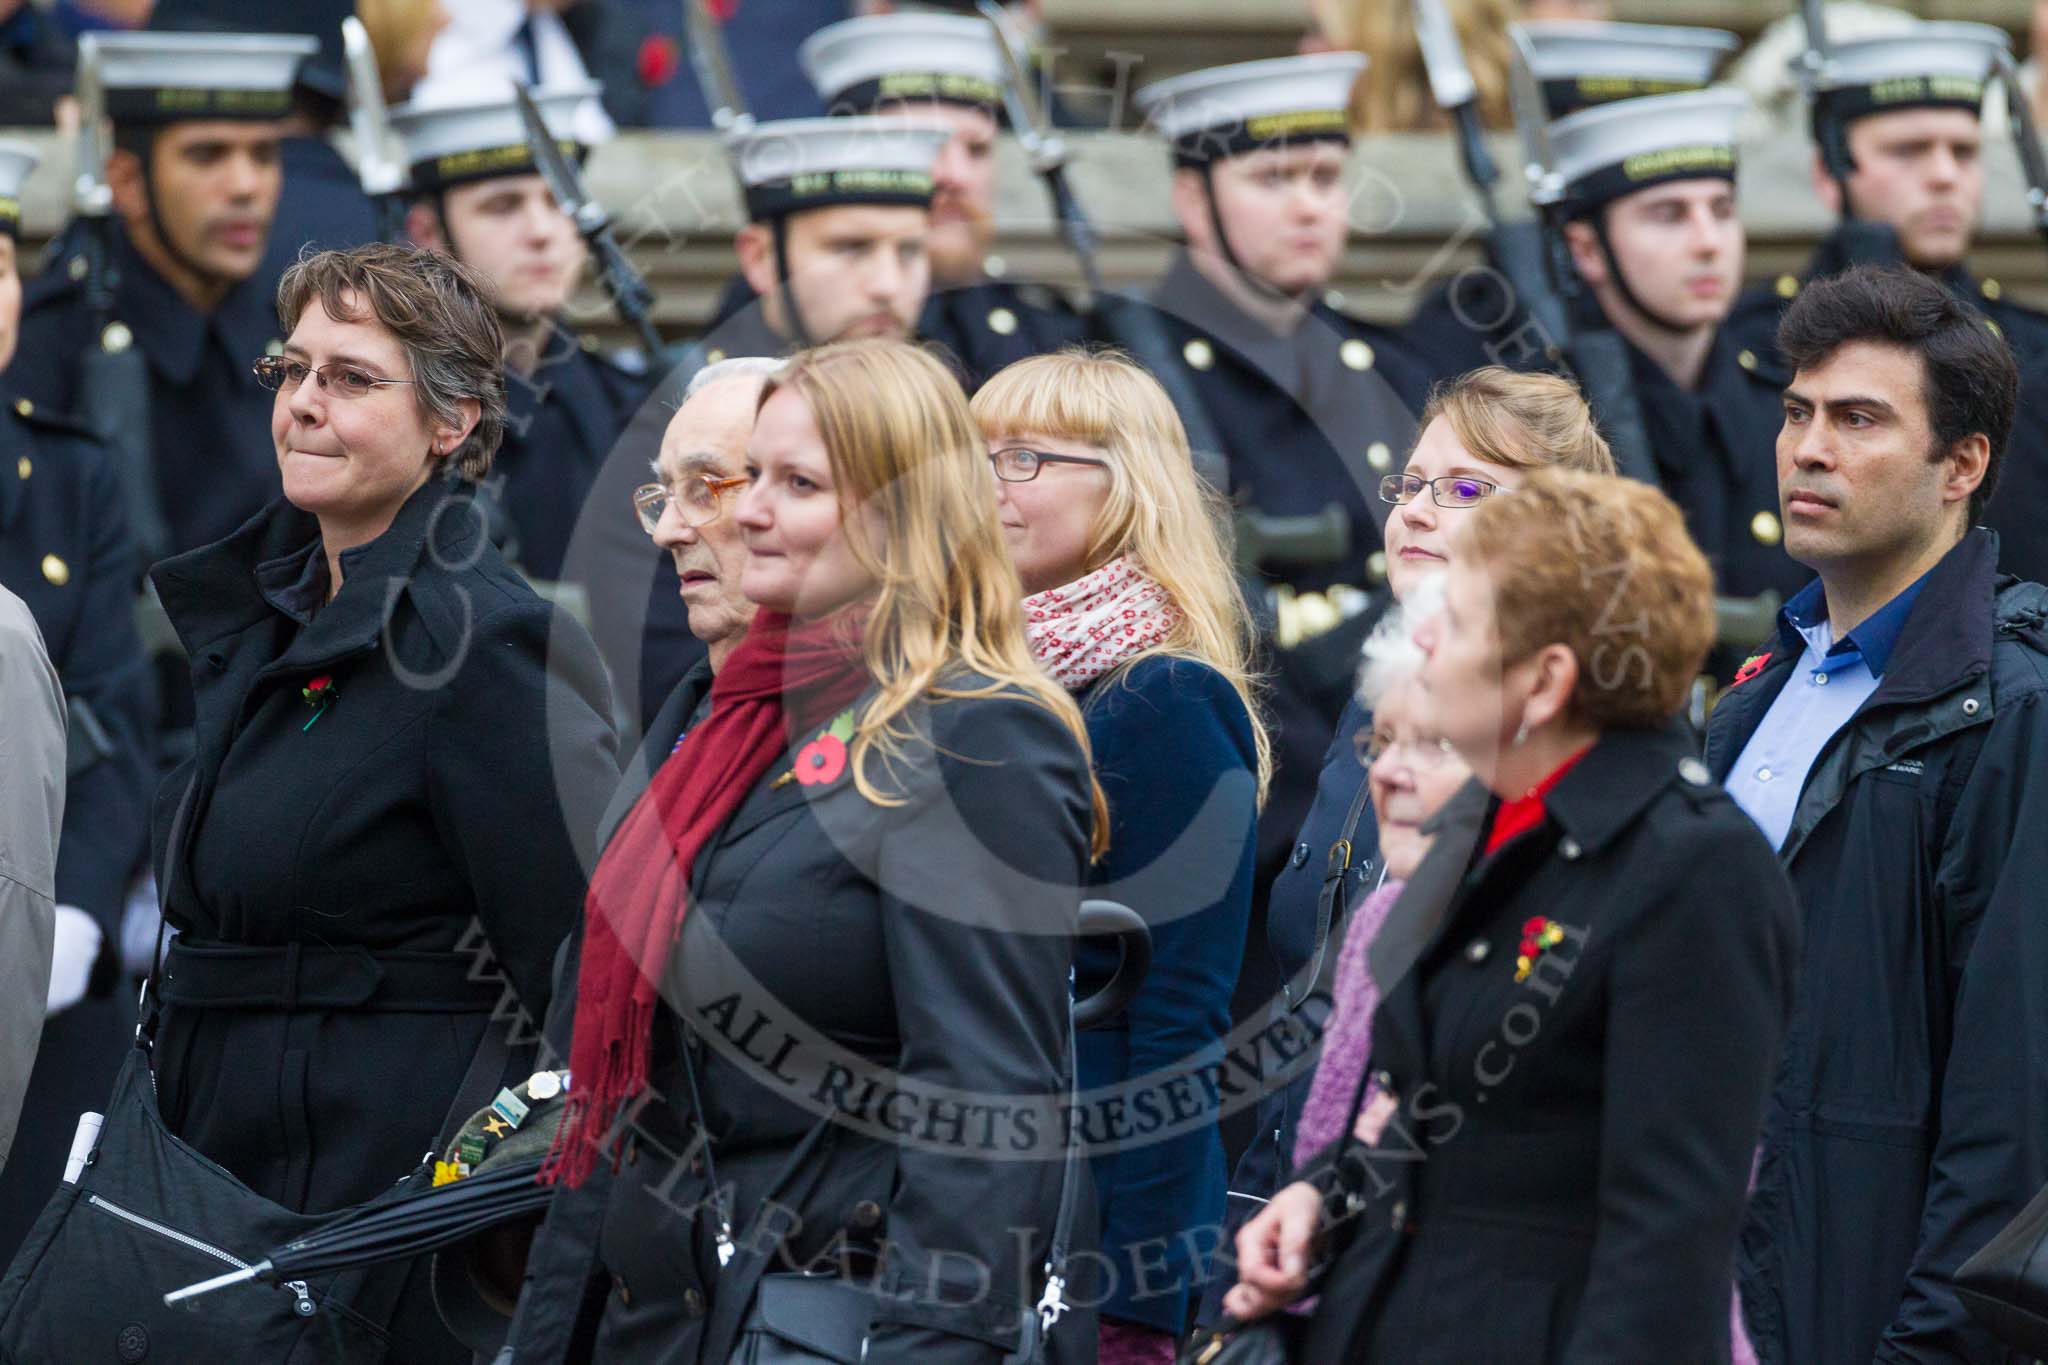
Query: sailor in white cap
1907, 106
947, 69
839, 210
1653, 232
1474, 319
478, 196
194, 176
65, 551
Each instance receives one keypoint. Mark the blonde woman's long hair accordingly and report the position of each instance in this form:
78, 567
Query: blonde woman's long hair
908, 461
1393, 94
1159, 513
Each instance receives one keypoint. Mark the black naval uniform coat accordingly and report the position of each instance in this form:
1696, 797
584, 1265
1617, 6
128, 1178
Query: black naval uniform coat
322, 208
2018, 509
1564, 1178
209, 419
561, 421
993, 323
912, 962
437, 808
64, 549
1754, 320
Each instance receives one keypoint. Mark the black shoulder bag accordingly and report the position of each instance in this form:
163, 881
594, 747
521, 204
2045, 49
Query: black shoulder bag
146, 1214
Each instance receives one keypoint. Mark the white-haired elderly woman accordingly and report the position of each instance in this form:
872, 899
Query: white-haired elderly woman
1413, 770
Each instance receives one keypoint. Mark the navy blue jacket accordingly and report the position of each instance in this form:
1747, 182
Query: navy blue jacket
323, 206
1904, 1127
1175, 755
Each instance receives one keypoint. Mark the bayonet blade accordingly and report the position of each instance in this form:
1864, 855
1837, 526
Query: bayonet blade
379, 171
2026, 138
1020, 99
1532, 118
565, 182
90, 196
708, 58
1443, 56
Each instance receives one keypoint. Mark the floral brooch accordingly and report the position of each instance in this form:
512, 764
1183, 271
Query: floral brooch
1539, 935
1751, 666
319, 694
824, 758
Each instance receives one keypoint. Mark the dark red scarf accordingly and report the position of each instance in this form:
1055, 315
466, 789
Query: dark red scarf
784, 677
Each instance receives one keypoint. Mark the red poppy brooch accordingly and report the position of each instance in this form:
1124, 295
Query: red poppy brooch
824, 758
319, 694
1751, 666
1539, 936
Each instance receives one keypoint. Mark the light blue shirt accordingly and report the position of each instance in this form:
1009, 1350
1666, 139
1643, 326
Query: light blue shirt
1828, 685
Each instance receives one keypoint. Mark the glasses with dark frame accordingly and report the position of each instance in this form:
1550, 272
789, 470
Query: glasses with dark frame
698, 499
1452, 490
1017, 464
336, 376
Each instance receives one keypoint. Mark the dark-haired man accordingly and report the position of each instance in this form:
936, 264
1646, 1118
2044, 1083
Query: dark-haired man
1892, 741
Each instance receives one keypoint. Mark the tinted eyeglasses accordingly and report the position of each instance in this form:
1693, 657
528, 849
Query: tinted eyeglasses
336, 377
1019, 465
698, 500
1452, 490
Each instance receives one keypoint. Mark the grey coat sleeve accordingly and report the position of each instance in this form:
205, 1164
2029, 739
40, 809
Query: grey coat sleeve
31, 813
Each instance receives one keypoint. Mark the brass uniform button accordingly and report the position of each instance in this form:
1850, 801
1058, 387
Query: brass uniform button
24, 467
1766, 528
1379, 455
1376, 566
1199, 354
1002, 321
274, 346
867, 1213
1333, 299
995, 267
714, 355
589, 343
693, 1302
24, 407
56, 570
76, 267
1746, 358
1355, 354
1992, 290
1477, 950
1788, 286
116, 338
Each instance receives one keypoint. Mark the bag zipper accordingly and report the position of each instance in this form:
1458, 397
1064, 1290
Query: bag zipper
304, 1307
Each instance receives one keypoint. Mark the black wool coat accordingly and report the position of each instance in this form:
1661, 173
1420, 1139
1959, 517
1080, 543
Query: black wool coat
839, 955
430, 815
1565, 1175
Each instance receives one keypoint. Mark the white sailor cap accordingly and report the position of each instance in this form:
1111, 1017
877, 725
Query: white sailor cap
1615, 149
454, 143
17, 163
1225, 111
858, 65
155, 78
1939, 65
789, 165
1579, 63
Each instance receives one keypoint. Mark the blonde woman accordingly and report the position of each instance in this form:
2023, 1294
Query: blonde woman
1133, 607
841, 915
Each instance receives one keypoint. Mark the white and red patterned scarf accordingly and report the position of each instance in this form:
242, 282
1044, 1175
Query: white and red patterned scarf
1083, 629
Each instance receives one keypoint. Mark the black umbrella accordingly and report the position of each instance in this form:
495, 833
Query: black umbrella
393, 1229
410, 1221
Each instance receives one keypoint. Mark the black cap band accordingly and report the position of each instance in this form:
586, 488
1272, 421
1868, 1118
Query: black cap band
1641, 171
1259, 132
174, 104
482, 163
826, 189
1569, 94
943, 87
10, 215
1905, 92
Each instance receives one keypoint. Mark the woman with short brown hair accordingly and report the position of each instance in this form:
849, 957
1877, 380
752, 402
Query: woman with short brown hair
399, 749
1583, 986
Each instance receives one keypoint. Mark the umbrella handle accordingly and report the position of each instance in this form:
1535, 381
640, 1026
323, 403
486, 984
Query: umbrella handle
179, 1298
1108, 919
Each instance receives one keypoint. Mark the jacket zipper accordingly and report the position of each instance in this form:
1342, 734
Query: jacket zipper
304, 1306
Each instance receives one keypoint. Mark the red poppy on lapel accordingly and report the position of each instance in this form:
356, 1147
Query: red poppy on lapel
1751, 666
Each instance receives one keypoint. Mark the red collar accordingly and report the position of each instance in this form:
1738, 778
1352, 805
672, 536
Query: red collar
1524, 813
